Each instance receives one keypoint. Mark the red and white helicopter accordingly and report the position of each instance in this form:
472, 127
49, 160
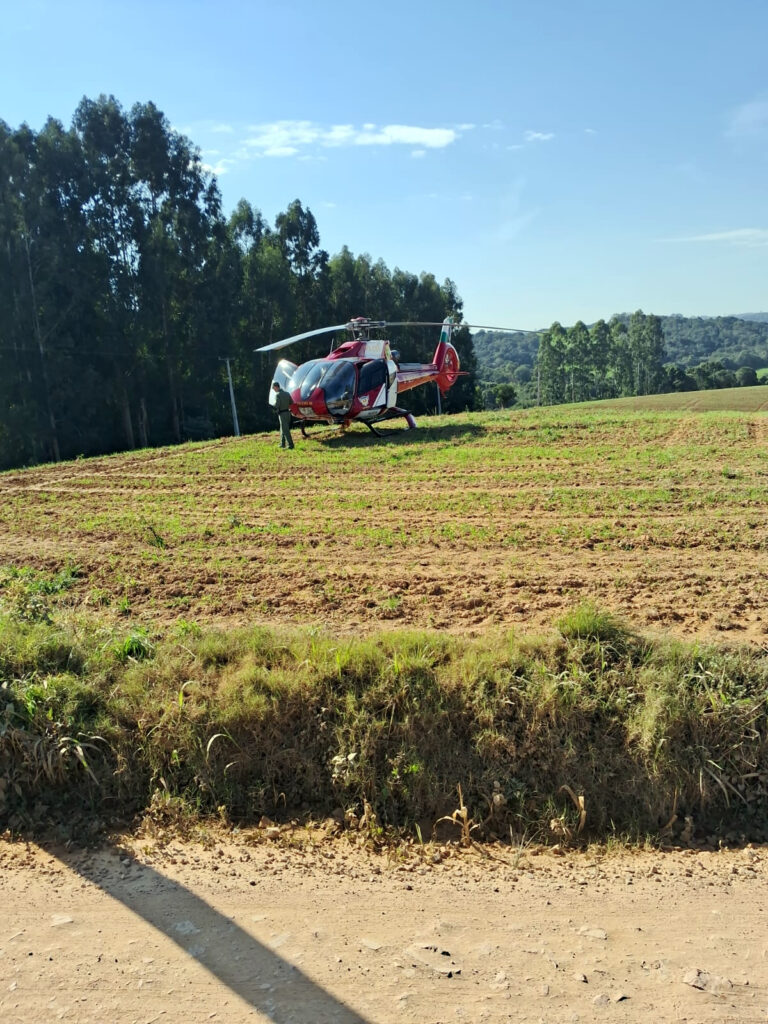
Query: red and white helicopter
362, 378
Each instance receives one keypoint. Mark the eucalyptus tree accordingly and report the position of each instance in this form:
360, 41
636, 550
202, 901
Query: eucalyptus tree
116, 236
299, 240
577, 362
347, 287
551, 366
646, 347
44, 281
264, 308
19, 422
621, 358
600, 350
179, 207
654, 352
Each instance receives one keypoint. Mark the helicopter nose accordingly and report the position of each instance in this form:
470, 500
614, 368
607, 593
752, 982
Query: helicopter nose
315, 404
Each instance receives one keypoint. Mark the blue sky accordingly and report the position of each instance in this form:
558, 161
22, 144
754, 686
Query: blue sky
558, 159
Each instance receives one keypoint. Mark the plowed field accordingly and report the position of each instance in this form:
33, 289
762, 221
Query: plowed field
477, 521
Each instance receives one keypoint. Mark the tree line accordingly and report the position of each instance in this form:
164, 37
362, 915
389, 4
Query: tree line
123, 288
628, 355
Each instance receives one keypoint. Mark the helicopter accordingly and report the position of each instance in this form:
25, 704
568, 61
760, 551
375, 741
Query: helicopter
361, 379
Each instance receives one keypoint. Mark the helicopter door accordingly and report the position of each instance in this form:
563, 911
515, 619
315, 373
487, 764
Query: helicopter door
373, 384
391, 383
283, 373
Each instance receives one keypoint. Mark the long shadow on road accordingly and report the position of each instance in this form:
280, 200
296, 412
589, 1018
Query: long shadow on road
263, 979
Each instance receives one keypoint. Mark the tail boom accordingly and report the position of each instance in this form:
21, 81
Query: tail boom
444, 370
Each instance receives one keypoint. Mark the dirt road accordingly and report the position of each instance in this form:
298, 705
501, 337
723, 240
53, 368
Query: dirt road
233, 931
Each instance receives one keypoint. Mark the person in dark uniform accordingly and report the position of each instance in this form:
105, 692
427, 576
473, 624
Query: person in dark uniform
283, 409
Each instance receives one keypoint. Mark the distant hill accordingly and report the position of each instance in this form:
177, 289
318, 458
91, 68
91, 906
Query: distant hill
734, 340
689, 341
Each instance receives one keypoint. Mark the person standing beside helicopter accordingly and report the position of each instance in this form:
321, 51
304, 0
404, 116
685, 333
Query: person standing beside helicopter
283, 409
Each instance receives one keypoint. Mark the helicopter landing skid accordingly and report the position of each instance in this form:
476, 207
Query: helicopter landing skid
392, 414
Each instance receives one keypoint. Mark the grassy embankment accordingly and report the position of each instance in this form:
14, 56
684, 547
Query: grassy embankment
103, 722
102, 716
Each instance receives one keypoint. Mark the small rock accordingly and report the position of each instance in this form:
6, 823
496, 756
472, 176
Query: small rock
705, 982
580, 977
601, 1000
593, 933
619, 997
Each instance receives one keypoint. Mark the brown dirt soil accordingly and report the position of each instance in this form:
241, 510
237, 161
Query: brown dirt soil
487, 524
246, 930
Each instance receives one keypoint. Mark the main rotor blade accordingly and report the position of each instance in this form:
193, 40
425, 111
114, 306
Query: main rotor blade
414, 323
381, 324
299, 337
511, 330
457, 326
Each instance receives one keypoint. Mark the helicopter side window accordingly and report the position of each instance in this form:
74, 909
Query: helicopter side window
372, 375
339, 385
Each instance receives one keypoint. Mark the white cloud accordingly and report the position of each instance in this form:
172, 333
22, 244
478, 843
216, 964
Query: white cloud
417, 154
287, 138
222, 129
392, 134
281, 151
590, 131
219, 168
339, 135
738, 236
282, 138
538, 136
749, 120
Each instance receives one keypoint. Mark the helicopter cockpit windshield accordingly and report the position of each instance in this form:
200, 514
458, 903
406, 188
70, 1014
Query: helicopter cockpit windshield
335, 377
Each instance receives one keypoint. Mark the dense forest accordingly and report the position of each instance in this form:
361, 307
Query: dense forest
123, 288
632, 354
